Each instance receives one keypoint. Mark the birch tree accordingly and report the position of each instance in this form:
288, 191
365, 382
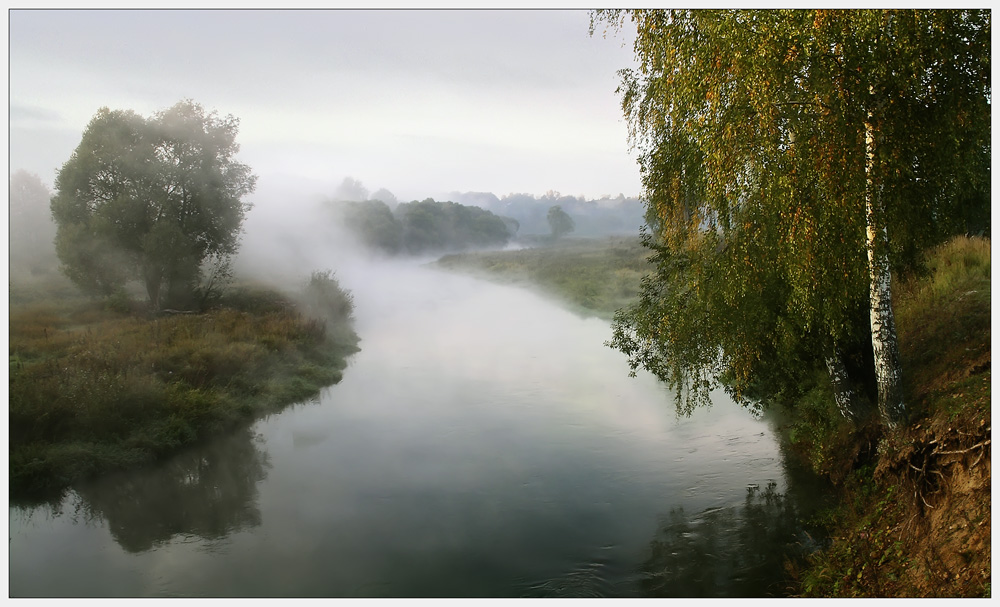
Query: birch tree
792, 161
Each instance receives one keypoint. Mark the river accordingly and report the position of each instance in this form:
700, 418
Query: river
483, 443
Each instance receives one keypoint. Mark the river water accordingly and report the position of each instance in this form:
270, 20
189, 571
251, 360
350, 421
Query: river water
483, 443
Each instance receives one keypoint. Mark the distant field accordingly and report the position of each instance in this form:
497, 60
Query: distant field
595, 276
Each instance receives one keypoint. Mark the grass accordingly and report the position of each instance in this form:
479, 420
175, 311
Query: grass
94, 390
944, 320
591, 276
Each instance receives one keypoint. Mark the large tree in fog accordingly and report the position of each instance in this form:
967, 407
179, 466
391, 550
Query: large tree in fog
791, 160
154, 199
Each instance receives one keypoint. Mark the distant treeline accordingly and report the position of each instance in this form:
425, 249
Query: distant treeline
475, 220
424, 226
605, 216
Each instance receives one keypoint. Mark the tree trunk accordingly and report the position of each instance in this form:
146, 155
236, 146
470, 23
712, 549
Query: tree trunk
887, 366
843, 393
153, 279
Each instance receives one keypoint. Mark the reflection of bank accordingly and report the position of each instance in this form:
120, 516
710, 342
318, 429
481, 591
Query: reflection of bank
727, 552
209, 492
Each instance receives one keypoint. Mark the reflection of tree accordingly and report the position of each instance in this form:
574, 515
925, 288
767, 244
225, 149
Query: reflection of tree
735, 552
210, 491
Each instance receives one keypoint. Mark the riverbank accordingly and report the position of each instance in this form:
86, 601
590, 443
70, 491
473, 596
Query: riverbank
97, 388
914, 516
914, 513
592, 276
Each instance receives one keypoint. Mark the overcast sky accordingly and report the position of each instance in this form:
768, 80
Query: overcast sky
418, 102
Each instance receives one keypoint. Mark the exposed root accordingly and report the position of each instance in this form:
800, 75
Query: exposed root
977, 446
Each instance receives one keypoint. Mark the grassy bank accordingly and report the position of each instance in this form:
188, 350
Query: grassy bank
591, 276
96, 388
914, 518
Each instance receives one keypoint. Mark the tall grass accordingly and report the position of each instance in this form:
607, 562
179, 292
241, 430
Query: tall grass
944, 317
92, 390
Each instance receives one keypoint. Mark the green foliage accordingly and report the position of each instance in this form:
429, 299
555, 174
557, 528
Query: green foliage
93, 266
560, 222
751, 131
595, 217
150, 200
944, 320
875, 560
946, 314
429, 225
830, 444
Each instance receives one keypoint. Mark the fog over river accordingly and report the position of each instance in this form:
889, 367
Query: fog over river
483, 442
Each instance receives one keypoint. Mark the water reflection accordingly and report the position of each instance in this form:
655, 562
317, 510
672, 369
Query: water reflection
727, 552
207, 492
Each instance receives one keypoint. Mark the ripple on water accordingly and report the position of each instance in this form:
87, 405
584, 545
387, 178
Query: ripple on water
587, 580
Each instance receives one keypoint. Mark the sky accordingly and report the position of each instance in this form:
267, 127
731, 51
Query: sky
420, 102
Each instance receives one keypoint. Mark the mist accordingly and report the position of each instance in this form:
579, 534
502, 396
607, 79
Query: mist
31, 250
287, 235
294, 229
418, 102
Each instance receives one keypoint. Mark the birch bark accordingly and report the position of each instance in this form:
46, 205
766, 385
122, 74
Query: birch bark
887, 366
843, 393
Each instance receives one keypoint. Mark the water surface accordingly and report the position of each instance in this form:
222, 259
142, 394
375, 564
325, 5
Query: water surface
483, 442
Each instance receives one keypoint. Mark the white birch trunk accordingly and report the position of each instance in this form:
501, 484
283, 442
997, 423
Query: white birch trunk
883, 325
843, 393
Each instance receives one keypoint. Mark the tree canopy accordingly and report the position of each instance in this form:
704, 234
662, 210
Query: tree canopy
559, 221
373, 222
784, 156
151, 199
